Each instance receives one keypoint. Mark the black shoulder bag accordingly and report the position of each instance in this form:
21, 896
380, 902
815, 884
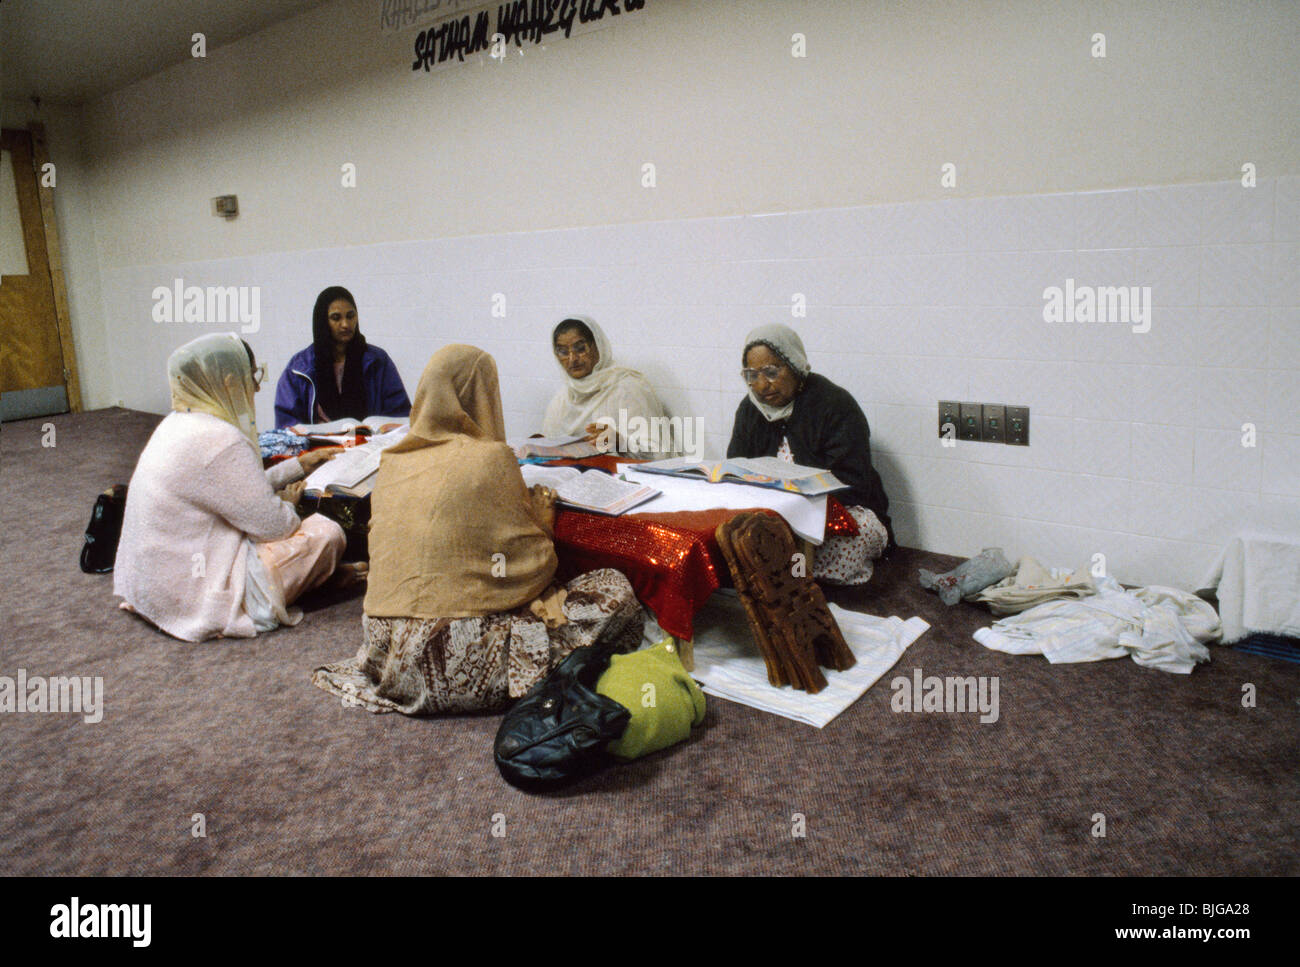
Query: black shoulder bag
99, 547
559, 731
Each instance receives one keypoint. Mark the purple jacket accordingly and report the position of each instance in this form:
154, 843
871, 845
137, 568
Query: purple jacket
295, 394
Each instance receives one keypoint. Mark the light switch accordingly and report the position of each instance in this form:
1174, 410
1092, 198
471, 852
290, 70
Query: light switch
994, 429
949, 414
968, 427
1018, 425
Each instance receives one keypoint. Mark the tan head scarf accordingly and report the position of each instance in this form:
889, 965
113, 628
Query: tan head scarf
452, 531
212, 375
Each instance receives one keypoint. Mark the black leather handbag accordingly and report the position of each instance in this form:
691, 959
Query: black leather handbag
350, 513
99, 546
559, 731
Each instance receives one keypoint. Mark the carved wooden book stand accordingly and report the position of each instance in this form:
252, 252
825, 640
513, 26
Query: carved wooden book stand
792, 625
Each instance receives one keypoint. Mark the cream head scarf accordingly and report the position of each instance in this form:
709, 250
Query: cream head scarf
453, 532
212, 374
601, 393
785, 342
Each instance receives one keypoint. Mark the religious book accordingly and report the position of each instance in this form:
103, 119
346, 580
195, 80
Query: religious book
353, 472
591, 490
553, 448
771, 472
371, 424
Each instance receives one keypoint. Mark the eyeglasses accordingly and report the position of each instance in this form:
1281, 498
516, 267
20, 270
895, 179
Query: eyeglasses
577, 349
259, 375
769, 373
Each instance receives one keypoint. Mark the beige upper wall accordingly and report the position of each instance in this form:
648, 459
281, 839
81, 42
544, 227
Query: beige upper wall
708, 92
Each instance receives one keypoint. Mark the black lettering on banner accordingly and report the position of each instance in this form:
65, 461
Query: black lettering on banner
518, 22
452, 38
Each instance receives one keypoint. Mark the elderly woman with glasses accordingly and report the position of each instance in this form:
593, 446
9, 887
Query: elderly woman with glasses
602, 400
801, 416
212, 545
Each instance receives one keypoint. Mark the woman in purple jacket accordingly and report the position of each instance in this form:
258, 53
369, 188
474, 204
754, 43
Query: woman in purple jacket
339, 375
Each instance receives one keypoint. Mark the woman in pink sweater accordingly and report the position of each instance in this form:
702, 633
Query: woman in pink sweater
208, 547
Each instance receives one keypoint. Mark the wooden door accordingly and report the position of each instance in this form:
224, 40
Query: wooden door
37, 365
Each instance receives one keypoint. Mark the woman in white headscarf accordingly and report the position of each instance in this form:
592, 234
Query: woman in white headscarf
600, 395
208, 547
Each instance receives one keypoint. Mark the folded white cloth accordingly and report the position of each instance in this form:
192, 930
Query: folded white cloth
1157, 627
1032, 584
729, 665
805, 515
1258, 582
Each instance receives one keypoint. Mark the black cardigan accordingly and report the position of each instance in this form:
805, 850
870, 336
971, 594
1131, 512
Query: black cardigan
826, 429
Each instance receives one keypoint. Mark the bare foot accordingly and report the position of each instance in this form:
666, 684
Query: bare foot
349, 575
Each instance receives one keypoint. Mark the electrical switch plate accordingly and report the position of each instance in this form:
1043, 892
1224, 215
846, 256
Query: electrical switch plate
1018, 425
949, 413
968, 427
995, 424
227, 206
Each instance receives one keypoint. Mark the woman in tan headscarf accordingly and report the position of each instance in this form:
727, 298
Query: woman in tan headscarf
460, 614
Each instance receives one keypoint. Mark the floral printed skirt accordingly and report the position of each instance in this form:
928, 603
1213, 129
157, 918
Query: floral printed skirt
432, 666
848, 560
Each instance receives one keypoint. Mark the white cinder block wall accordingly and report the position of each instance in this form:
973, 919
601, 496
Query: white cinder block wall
524, 178
1136, 437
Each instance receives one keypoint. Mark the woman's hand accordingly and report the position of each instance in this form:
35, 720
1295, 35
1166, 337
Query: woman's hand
312, 459
543, 499
599, 435
292, 493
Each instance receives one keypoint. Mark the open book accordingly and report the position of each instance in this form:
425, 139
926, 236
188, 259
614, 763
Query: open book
759, 471
353, 471
557, 448
592, 490
372, 424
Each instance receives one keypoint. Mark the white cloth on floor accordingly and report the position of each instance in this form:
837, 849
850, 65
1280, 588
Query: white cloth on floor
729, 665
1258, 582
805, 515
1032, 584
1157, 627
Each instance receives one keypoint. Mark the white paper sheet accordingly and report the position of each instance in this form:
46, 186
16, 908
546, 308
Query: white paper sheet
805, 515
729, 665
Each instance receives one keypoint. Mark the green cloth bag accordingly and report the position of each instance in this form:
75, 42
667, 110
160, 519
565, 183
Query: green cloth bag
664, 700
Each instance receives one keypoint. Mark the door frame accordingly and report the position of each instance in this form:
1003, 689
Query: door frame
54, 256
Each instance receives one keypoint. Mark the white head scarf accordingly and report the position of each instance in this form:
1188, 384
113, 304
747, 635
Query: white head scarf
601, 393
785, 342
212, 375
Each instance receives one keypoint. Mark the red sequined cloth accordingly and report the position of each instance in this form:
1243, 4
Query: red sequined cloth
672, 560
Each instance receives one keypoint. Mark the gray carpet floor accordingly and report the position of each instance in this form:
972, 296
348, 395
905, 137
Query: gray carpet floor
290, 782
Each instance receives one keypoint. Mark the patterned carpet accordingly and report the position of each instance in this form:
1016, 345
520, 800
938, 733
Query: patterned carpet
289, 781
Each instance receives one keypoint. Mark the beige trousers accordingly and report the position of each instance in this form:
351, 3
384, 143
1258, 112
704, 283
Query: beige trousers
304, 559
